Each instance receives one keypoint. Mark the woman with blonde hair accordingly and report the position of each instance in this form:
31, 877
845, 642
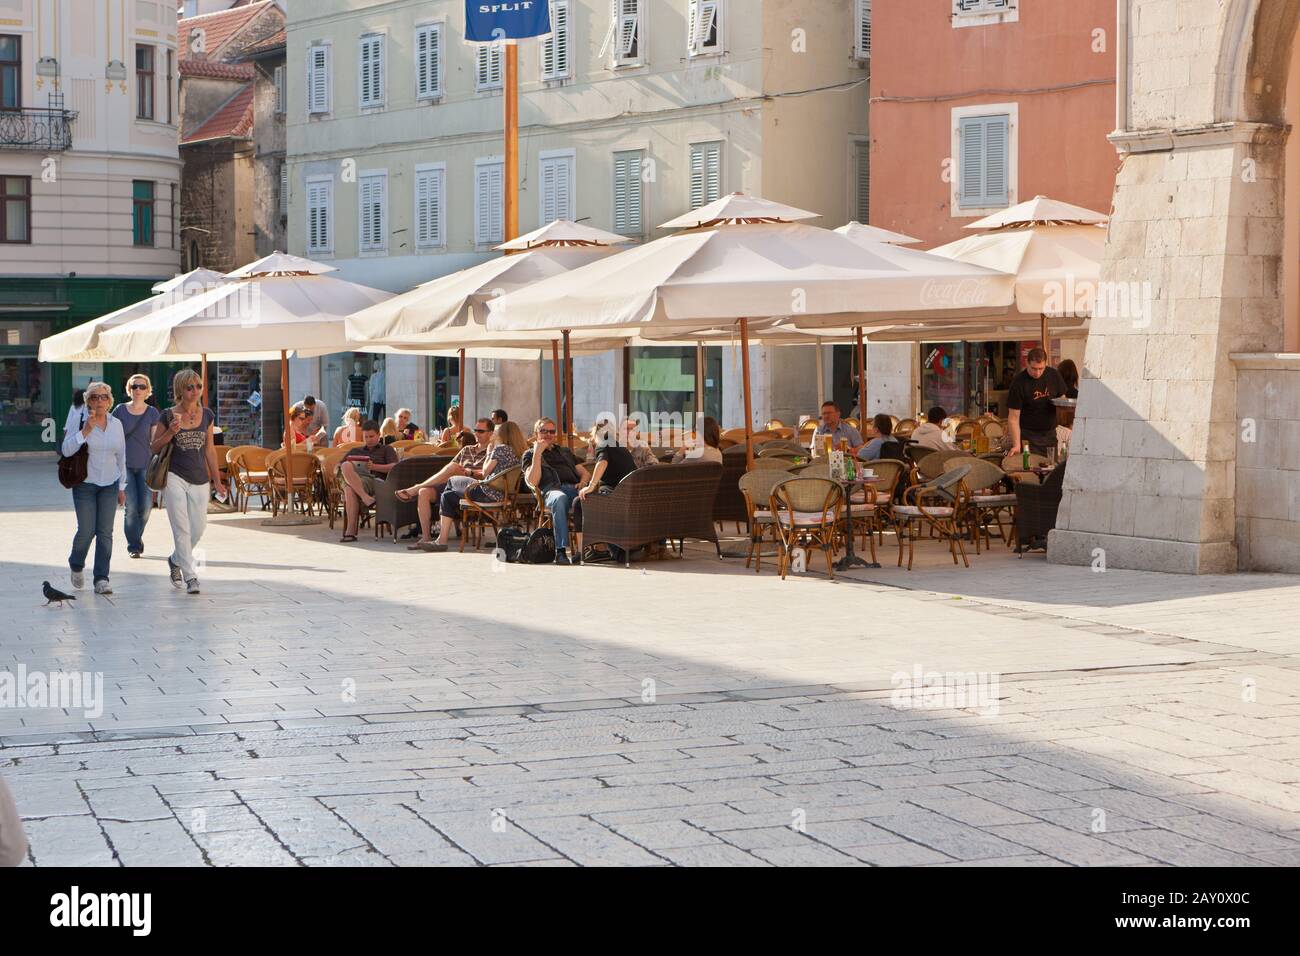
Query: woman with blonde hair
405, 427
349, 429
138, 420
193, 470
503, 452
96, 498
388, 431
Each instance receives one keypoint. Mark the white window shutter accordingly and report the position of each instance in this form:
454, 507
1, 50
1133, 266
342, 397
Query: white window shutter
372, 71
627, 193
706, 173
318, 79
629, 29
555, 45
498, 204
972, 161
284, 188
489, 212
489, 66
428, 60
862, 29
703, 26
985, 161
996, 170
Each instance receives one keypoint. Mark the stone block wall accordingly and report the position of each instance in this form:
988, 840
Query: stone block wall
1268, 462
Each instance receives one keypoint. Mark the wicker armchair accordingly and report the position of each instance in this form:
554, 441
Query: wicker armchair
988, 502
807, 514
1036, 507
938, 504
246, 466
891, 473
934, 465
423, 449
672, 502
475, 514
756, 488
904, 427
389, 510
306, 471
728, 503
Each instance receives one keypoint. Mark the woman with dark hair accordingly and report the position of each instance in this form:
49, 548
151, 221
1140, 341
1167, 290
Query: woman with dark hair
709, 451
1070, 375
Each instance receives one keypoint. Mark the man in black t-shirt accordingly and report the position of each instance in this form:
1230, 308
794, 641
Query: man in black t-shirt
1031, 416
554, 471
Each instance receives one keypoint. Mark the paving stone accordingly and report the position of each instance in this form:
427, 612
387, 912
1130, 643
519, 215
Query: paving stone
153, 843
68, 841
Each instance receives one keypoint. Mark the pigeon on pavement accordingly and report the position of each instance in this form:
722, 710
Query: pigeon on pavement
52, 595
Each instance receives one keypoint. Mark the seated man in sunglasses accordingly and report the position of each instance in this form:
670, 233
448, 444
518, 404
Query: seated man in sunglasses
554, 471
467, 464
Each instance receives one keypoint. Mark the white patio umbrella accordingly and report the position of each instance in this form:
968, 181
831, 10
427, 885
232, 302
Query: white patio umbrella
279, 303
743, 257
858, 230
1052, 248
78, 344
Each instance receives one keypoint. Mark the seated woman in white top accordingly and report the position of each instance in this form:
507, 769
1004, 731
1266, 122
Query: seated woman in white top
709, 451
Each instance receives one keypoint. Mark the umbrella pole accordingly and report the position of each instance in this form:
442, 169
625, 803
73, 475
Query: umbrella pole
555, 380
862, 378
461, 377
749, 415
288, 518
511, 130
568, 390
1043, 318
821, 375
699, 384
204, 375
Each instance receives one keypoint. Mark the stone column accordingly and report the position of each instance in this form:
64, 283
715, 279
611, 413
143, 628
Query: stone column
1194, 250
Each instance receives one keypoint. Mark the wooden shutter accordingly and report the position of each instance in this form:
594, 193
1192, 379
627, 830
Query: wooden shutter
318, 216
555, 45
862, 181
627, 193
703, 26
373, 212
428, 207
984, 161
318, 87
706, 173
488, 198
372, 71
279, 89
629, 29
428, 60
284, 188
862, 30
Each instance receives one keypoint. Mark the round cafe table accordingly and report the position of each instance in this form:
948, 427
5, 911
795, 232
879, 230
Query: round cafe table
851, 559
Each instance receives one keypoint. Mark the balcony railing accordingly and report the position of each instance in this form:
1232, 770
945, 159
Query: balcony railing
36, 129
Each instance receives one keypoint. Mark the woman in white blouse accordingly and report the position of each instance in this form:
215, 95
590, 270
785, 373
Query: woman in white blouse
97, 498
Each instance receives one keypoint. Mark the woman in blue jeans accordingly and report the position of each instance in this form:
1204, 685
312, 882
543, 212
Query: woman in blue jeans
96, 499
138, 420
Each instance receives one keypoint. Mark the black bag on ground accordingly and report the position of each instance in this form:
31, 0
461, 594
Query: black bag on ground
539, 548
510, 541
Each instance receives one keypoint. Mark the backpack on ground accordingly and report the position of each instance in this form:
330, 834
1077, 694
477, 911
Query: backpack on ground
510, 541
539, 548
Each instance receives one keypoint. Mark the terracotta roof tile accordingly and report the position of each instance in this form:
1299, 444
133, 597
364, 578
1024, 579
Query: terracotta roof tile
218, 27
274, 42
216, 70
234, 120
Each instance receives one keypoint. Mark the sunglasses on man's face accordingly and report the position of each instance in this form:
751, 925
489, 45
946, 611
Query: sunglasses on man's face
547, 431
482, 431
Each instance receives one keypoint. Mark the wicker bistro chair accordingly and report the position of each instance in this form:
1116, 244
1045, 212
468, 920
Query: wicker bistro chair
781, 446
807, 514
805, 431
904, 427
890, 472
672, 502
393, 513
728, 503
416, 451
331, 487
820, 468
988, 503
306, 468
933, 465
938, 504
757, 487
475, 514
404, 443
246, 466
773, 424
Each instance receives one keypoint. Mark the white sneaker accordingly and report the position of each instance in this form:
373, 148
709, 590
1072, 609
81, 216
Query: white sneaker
78, 579
192, 586
103, 587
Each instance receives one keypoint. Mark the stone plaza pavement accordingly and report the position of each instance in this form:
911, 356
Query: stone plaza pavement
324, 704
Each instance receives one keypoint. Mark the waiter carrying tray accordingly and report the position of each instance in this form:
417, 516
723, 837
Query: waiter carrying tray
1031, 416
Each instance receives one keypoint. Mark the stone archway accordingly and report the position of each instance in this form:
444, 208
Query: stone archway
1254, 56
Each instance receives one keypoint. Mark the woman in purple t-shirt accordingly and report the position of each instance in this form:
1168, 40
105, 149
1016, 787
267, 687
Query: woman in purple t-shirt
138, 420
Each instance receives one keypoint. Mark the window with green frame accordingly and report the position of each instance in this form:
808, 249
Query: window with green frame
142, 212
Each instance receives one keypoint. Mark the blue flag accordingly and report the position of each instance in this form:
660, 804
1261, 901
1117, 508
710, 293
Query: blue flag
489, 20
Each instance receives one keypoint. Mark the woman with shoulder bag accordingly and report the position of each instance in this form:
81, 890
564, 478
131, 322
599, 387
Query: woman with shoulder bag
191, 472
104, 488
138, 420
